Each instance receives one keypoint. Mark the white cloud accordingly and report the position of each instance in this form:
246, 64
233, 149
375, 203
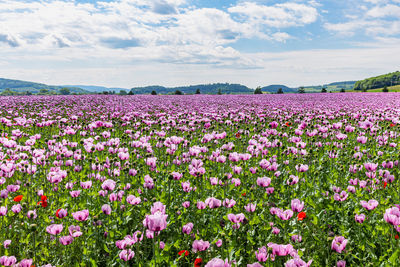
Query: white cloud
378, 19
278, 16
384, 11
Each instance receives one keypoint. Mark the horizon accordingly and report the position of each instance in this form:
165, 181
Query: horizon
126, 44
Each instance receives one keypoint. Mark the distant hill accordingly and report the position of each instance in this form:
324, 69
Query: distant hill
380, 81
97, 89
335, 86
225, 88
275, 87
24, 86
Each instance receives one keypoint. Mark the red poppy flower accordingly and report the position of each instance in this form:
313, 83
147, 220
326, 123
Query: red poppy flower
384, 184
57, 213
301, 216
183, 252
288, 124
237, 135
396, 237
43, 203
18, 198
198, 262
391, 125
244, 194
43, 198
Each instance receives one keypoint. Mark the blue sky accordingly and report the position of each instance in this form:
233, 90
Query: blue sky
127, 43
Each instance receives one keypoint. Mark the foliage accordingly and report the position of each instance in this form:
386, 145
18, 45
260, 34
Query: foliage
258, 91
301, 90
65, 91
389, 79
280, 91
177, 92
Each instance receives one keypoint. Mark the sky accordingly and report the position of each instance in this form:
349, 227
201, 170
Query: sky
130, 43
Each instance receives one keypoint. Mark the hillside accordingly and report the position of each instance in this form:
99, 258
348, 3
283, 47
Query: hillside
380, 81
273, 88
32, 87
225, 88
335, 86
96, 89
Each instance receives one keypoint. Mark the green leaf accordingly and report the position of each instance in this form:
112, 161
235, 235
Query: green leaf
395, 257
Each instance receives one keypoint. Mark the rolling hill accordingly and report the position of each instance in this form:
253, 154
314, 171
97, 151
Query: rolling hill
380, 81
32, 87
225, 88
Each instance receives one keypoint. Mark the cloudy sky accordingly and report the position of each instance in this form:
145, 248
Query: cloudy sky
127, 43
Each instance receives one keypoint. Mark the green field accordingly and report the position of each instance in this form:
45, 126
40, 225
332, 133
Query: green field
395, 88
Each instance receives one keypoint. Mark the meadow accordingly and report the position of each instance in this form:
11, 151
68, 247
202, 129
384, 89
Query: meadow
255, 180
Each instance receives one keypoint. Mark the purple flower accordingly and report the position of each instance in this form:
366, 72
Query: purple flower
263, 181
296, 238
297, 205
8, 260
81, 215
341, 263
74, 231
126, 254
262, 254
131, 199
108, 185
3, 211
66, 240
218, 263
16, 208
106, 209
280, 250
250, 207
342, 197
370, 205
6, 243
158, 207
200, 245
218, 243
201, 205
302, 167
339, 244
213, 202
392, 216
156, 222
187, 228
26, 263
359, 218
54, 229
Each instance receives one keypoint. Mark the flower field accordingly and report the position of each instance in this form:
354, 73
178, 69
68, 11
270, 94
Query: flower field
271, 180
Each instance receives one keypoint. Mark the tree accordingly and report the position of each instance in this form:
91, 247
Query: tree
219, 92
385, 89
323, 90
65, 91
364, 89
28, 93
122, 92
131, 92
197, 91
301, 90
280, 91
258, 91
342, 90
153, 92
177, 92
43, 91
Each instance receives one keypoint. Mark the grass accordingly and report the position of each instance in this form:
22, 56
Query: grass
394, 88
